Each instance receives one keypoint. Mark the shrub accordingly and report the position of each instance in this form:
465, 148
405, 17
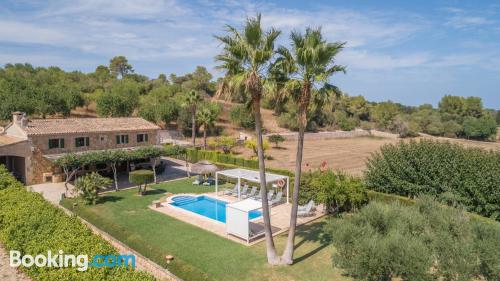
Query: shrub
33, 226
344, 122
452, 129
288, 120
421, 242
252, 144
242, 116
224, 143
89, 186
276, 139
480, 128
7, 180
141, 177
336, 190
458, 176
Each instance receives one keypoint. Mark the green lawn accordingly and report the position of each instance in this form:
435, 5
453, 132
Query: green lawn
199, 254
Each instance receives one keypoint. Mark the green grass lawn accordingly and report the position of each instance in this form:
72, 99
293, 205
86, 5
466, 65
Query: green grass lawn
199, 254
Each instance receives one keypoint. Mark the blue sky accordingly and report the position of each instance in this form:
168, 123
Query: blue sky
411, 52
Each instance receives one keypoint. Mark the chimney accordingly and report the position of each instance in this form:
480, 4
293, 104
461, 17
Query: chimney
19, 118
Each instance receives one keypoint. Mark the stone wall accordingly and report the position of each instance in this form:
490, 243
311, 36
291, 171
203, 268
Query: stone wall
36, 166
337, 135
327, 135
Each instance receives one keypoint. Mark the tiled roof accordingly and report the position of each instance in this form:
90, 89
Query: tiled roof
6, 140
87, 125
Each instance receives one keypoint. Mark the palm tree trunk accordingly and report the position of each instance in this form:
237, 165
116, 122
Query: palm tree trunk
272, 256
205, 137
287, 257
193, 126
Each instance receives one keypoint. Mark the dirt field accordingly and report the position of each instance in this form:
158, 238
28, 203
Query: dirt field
347, 154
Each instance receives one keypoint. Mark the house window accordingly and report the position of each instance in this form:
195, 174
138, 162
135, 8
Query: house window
142, 138
56, 143
121, 139
83, 141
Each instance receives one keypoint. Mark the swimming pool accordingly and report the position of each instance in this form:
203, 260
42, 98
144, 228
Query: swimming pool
207, 207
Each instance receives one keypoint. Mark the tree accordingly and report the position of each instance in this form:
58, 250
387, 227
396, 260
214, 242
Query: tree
102, 74
276, 139
199, 80
453, 105
159, 106
309, 65
252, 145
140, 178
119, 66
384, 114
225, 143
242, 116
89, 186
120, 100
245, 58
207, 117
473, 106
191, 100
480, 128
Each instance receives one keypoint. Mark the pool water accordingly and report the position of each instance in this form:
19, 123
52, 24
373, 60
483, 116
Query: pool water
207, 207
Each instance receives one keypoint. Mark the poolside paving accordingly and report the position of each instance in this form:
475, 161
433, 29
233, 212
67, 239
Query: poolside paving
280, 218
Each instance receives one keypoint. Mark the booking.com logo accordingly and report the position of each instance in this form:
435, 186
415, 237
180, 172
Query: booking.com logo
81, 262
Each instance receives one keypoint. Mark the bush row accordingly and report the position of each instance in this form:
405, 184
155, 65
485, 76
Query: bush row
229, 160
387, 241
33, 226
458, 176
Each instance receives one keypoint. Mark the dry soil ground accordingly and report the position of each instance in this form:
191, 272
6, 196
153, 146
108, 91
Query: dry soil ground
348, 154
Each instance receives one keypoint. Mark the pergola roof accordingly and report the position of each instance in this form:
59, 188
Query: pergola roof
54, 157
250, 175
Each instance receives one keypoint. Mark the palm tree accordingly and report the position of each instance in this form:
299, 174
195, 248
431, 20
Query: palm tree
191, 100
246, 58
308, 66
206, 117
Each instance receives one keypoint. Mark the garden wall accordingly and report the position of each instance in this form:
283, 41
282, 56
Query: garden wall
338, 135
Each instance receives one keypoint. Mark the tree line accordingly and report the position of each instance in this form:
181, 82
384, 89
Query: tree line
118, 91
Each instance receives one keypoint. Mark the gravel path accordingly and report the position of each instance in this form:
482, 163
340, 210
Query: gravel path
8, 273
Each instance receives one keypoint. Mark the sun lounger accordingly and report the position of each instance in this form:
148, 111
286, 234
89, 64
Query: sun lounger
243, 191
231, 191
270, 194
276, 199
307, 210
252, 193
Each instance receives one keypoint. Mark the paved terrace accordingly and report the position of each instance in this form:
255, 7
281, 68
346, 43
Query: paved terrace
280, 218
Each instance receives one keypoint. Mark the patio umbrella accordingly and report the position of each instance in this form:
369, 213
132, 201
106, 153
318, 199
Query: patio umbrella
204, 167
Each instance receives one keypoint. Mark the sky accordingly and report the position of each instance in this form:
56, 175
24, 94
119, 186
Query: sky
412, 52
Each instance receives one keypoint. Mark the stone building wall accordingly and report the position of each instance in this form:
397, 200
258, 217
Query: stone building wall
37, 165
98, 141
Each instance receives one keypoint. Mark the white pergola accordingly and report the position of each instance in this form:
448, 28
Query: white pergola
252, 176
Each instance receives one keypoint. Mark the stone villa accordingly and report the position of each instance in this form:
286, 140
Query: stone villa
27, 146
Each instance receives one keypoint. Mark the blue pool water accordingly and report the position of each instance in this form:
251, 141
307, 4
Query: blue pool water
206, 206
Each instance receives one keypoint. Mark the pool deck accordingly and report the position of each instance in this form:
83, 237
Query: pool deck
280, 218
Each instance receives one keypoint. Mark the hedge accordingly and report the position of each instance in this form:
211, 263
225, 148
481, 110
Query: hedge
420, 242
228, 160
458, 176
33, 226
